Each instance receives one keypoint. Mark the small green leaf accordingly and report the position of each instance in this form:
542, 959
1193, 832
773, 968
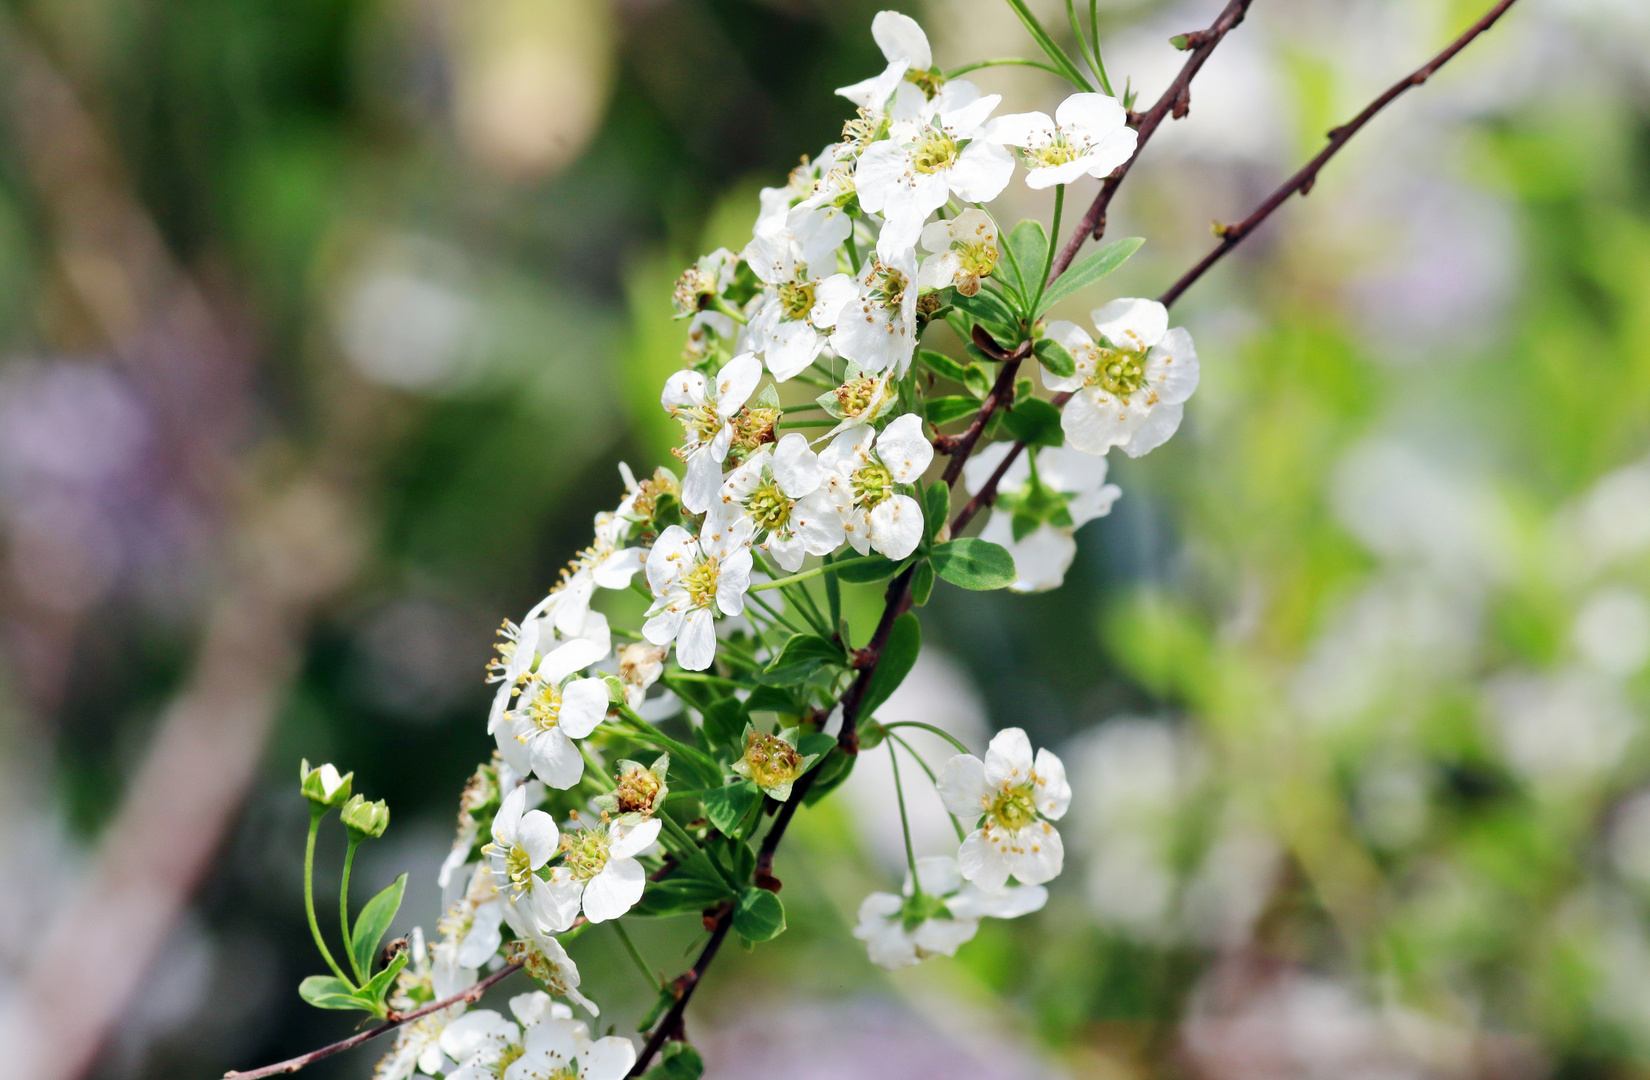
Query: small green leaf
866, 570
940, 364
1055, 358
936, 509
378, 987
727, 806
660, 1006
974, 564
988, 307
815, 744
922, 583
681, 894
326, 992
759, 916
801, 656
943, 410
374, 920
899, 653
1035, 422
724, 722
1089, 270
677, 1061
775, 699
830, 775
978, 380
1030, 246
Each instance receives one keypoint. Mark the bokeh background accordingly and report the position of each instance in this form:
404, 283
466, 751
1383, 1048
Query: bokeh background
324, 324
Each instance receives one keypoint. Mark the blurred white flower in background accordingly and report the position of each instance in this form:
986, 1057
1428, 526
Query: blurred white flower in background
1561, 730
407, 319
1612, 631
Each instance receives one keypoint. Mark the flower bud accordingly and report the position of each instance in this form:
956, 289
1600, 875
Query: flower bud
369, 819
323, 786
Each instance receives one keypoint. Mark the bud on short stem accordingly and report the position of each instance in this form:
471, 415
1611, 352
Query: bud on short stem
366, 820
322, 785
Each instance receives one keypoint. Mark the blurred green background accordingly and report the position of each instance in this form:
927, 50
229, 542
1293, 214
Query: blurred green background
324, 324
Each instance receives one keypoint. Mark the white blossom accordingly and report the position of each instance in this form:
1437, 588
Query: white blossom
944, 150
599, 869
964, 250
1068, 491
873, 316
692, 578
640, 665
780, 496
434, 978
1129, 389
547, 961
523, 841
485, 1044
1089, 135
561, 1049
904, 46
901, 930
789, 329
864, 467
549, 716
520, 661
1014, 798
706, 411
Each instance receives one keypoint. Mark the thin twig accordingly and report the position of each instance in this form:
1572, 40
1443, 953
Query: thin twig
1302, 181
1176, 100
292, 1065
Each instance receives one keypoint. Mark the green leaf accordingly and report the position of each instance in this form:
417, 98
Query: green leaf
378, 987
943, 410
922, 583
978, 380
1055, 358
776, 699
681, 894
660, 1006
866, 570
801, 656
1035, 422
936, 509
1029, 243
724, 723
974, 564
898, 654
759, 916
326, 992
677, 1061
727, 806
940, 364
815, 743
991, 312
374, 919
1087, 271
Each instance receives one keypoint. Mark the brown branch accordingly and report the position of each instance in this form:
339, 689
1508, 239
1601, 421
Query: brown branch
1302, 181
1176, 100
292, 1065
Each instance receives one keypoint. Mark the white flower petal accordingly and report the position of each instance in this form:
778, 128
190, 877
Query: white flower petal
1053, 792
896, 526
1008, 759
900, 38
904, 449
696, 643
962, 787
615, 890
583, 706
538, 836
796, 468
1132, 323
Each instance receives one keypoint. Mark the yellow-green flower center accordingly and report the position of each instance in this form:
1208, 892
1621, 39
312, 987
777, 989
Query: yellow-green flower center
1119, 372
1014, 808
701, 422
544, 707
796, 299
934, 151
700, 583
978, 257
771, 761
768, 507
636, 791
929, 81
888, 286
1059, 151
855, 396
585, 852
519, 866
506, 1058
873, 485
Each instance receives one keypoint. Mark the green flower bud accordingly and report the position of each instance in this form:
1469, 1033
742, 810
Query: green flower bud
323, 786
369, 819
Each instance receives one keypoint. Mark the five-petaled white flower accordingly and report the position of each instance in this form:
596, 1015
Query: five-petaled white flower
1089, 134
599, 868
523, 841
706, 411
561, 1049
485, 1044
537, 650
426, 977
789, 329
905, 47
692, 578
864, 467
1014, 798
780, 490
548, 718
1129, 389
945, 150
874, 316
900, 930
1035, 518
964, 251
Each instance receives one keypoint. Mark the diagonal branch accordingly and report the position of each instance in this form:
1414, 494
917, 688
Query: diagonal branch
1302, 181
1176, 100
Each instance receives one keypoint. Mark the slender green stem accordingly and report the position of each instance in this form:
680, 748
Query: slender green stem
1055, 54
1099, 62
316, 813
597, 769
833, 596
1082, 39
807, 406
932, 779
812, 379
773, 615
1005, 61
699, 676
343, 909
670, 745
628, 635
1053, 235
780, 583
852, 249
636, 955
824, 421
719, 304
904, 821
941, 732
690, 851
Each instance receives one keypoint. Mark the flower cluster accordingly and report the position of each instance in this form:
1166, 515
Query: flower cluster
877, 303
